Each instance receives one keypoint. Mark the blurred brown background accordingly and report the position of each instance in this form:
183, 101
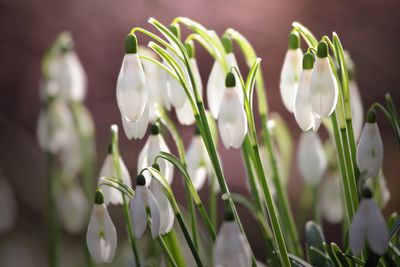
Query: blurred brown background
368, 29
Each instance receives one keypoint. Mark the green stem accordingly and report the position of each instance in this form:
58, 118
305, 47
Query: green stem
166, 251
51, 210
172, 243
192, 217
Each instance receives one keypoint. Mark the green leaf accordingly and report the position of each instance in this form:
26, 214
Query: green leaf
296, 261
394, 227
395, 117
340, 257
315, 239
331, 255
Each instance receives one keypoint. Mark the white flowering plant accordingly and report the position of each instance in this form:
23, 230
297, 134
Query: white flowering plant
317, 86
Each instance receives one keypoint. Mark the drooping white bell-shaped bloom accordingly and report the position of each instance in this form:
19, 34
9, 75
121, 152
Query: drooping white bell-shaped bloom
71, 77
370, 150
154, 145
384, 191
142, 199
368, 224
71, 156
290, 75
215, 88
323, 85
231, 247
163, 88
101, 236
72, 208
331, 205
231, 62
137, 129
112, 195
166, 211
232, 120
357, 110
131, 88
311, 158
176, 93
198, 162
8, 206
54, 126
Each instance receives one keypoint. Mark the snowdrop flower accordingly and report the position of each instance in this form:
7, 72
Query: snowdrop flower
368, 224
166, 211
112, 195
72, 208
54, 126
164, 88
323, 85
291, 70
384, 191
142, 202
231, 247
198, 162
357, 109
131, 88
8, 206
215, 88
370, 147
154, 145
331, 200
137, 129
101, 236
71, 156
232, 121
305, 118
185, 113
311, 159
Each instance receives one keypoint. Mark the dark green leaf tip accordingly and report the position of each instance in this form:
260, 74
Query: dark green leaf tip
226, 43
110, 149
156, 166
189, 45
98, 198
371, 116
228, 216
230, 80
366, 193
322, 49
154, 130
175, 29
308, 61
131, 44
141, 180
294, 41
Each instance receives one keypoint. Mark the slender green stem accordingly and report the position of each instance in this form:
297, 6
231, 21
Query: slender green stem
52, 223
172, 243
209, 225
213, 202
192, 217
188, 239
166, 251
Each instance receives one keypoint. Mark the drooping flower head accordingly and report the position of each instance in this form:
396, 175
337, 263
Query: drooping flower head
232, 120
291, 70
101, 236
323, 85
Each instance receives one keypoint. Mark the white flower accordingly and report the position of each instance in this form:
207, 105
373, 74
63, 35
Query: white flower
215, 88
231, 62
72, 208
154, 145
290, 75
176, 93
232, 120
198, 162
331, 206
163, 88
137, 129
323, 85
71, 156
368, 223
357, 110
384, 191
231, 247
131, 88
54, 126
166, 211
311, 159
305, 118
8, 206
101, 236
370, 150
142, 200
112, 195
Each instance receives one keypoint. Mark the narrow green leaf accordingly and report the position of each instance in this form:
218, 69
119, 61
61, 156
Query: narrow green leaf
315, 239
339, 255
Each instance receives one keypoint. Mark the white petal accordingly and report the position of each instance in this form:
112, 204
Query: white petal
316, 122
290, 75
232, 121
323, 88
163, 88
138, 211
136, 129
71, 156
197, 162
370, 150
311, 159
377, 232
101, 235
151, 202
302, 105
131, 89
215, 88
385, 193
185, 114
231, 62
357, 110
231, 248
166, 212
176, 93
197, 76
358, 228
331, 200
